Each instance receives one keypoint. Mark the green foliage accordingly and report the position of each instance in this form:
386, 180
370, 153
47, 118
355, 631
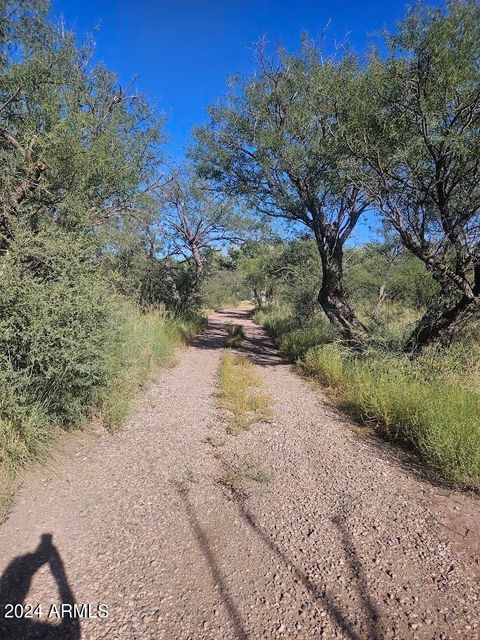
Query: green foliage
379, 272
438, 419
416, 129
30, 411
223, 289
55, 324
277, 319
295, 336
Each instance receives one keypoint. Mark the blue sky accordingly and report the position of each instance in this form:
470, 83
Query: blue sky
183, 51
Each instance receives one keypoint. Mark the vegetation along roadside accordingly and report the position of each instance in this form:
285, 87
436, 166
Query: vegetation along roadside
431, 403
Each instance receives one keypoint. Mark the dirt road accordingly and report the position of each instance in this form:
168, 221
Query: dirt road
340, 539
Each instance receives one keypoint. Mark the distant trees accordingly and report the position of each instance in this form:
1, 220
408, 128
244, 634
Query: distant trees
276, 143
194, 220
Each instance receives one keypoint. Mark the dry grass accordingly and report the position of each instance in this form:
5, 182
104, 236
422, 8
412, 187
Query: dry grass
235, 334
241, 393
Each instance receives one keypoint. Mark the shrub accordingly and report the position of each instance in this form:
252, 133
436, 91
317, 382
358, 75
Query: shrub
295, 336
55, 325
277, 319
68, 345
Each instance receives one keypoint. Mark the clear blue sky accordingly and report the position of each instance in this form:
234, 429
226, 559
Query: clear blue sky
184, 50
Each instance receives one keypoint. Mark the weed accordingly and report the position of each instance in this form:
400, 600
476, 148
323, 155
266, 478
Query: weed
241, 394
248, 470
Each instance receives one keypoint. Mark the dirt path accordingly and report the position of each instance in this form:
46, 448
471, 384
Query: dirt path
342, 541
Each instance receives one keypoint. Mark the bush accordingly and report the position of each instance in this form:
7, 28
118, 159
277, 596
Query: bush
277, 319
68, 345
297, 342
55, 326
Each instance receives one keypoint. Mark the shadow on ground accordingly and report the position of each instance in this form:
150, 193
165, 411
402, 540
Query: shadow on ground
318, 591
258, 346
209, 555
14, 587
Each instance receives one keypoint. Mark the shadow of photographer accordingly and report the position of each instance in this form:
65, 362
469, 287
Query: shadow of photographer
14, 587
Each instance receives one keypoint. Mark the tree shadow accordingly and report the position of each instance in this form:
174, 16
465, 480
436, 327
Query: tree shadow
372, 614
319, 592
209, 556
258, 345
14, 587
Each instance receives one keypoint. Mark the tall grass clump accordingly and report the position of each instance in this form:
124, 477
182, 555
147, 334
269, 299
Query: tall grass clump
241, 393
295, 336
438, 418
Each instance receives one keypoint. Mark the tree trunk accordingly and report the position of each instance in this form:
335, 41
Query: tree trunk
382, 296
258, 298
333, 301
197, 258
443, 325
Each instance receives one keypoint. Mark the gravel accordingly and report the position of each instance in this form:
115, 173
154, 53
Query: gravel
344, 540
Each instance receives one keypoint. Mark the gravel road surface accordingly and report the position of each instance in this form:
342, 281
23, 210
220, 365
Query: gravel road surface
323, 533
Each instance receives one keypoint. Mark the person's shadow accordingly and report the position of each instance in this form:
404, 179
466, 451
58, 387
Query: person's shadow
15, 585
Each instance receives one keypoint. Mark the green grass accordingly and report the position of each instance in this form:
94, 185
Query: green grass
241, 393
144, 343
292, 339
431, 404
141, 344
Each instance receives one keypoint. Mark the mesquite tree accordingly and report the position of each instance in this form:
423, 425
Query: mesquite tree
276, 142
418, 135
193, 220
77, 150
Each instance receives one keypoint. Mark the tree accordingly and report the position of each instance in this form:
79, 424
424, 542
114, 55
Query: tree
384, 270
75, 146
256, 263
418, 138
194, 220
276, 142
77, 153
